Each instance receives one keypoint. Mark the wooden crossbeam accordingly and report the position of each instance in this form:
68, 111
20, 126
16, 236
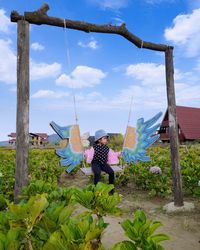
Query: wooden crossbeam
40, 16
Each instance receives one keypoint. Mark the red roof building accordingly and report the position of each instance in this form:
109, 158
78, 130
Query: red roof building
12, 139
34, 138
38, 138
188, 120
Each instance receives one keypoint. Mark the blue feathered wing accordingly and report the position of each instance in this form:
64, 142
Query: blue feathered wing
138, 140
72, 154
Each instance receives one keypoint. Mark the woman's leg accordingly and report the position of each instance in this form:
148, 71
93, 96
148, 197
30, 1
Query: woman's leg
96, 169
107, 168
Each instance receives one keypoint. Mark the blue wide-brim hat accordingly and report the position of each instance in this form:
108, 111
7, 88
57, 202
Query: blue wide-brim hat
99, 134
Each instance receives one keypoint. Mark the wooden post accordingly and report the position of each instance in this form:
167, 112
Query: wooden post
22, 123
173, 129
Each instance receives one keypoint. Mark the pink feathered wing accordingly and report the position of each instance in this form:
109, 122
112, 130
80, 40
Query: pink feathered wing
112, 156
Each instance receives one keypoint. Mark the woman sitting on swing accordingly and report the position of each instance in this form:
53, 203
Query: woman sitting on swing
100, 157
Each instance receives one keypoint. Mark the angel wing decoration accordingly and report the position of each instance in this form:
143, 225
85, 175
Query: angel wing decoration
72, 153
138, 139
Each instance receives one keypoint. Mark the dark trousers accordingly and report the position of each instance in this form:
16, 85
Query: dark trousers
97, 167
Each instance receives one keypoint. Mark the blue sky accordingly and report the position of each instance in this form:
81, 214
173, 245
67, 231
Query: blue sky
103, 71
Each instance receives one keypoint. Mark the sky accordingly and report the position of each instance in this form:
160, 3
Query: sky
103, 72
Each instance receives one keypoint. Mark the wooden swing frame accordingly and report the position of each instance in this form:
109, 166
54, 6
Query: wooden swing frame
40, 17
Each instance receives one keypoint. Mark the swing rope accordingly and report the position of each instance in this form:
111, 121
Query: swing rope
129, 118
69, 64
130, 111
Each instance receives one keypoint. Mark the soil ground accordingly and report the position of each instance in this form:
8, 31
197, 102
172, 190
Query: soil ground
183, 229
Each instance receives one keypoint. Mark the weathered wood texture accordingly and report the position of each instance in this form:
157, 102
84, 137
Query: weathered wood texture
22, 126
40, 17
173, 129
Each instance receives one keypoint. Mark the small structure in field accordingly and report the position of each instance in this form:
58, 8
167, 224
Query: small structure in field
35, 139
38, 139
188, 121
12, 140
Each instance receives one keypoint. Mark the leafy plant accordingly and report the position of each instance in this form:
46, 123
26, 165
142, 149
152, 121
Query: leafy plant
98, 199
122, 178
141, 232
54, 192
79, 233
17, 225
190, 166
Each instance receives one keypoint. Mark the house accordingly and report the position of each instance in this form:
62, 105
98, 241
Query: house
38, 139
35, 139
188, 120
12, 140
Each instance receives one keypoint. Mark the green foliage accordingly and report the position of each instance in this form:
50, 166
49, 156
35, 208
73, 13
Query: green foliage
161, 185
7, 172
54, 192
141, 232
17, 223
38, 224
124, 245
46, 220
43, 165
98, 199
190, 166
3, 202
116, 142
156, 184
77, 233
56, 214
122, 178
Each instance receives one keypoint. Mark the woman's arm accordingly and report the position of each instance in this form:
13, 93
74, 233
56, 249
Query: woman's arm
113, 157
89, 154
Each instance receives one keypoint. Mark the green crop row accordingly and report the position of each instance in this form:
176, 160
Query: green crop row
44, 165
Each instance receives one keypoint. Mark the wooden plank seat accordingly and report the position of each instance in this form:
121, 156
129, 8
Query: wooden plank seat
88, 171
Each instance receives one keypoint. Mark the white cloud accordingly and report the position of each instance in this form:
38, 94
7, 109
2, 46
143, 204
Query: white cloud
94, 95
44, 70
49, 94
150, 73
81, 76
148, 89
37, 46
187, 94
110, 4
147, 73
118, 21
150, 97
185, 33
5, 23
149, 86
8, 64
159, 1
91, 44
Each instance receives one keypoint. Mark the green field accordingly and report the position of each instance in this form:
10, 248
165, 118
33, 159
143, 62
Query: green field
44, 165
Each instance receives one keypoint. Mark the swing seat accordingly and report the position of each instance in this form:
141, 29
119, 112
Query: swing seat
88, 171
